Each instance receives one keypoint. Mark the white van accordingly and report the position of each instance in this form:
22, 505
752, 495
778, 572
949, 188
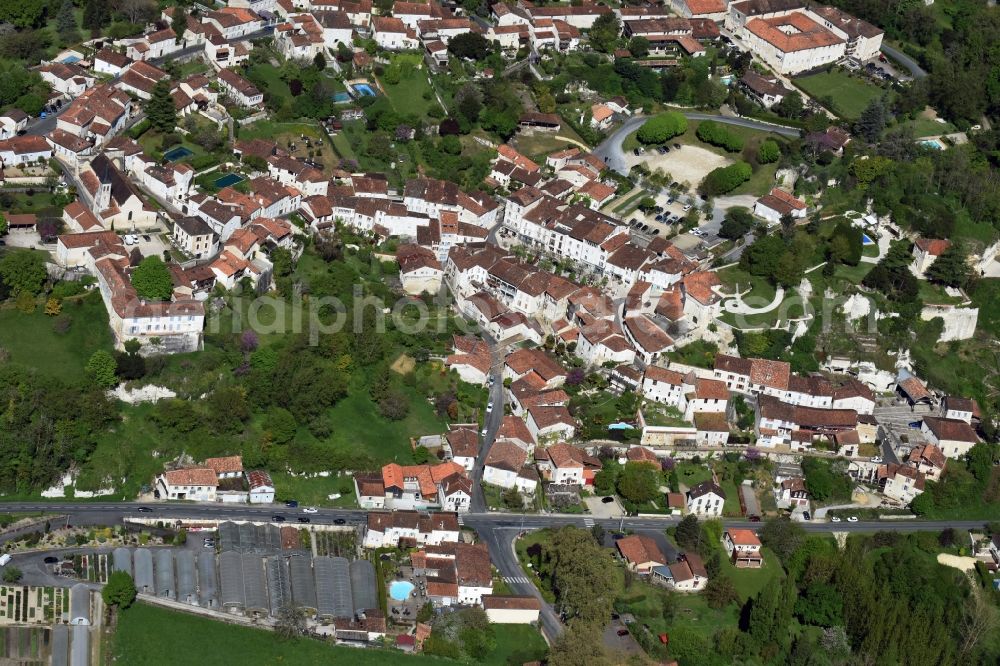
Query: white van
4, 559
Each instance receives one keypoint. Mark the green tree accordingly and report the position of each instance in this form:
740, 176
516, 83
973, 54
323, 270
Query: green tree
768, 152
11, 574
24, 13
101, 368
716, 134
119, 592
688, 533
23, 271
319, 62
604, 33
96, 14
872, 121
180, 20
281, 424
720, 592
662, 127
951, 268
736, 223
725, 179
3, 224
579, 645
790, 106
160, 108
66, 23
820, 604
469, 45
581, 574
639, 47
152, 280
639, 482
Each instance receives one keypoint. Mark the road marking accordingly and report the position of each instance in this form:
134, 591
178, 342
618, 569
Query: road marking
516, 579
461, 521
588, 522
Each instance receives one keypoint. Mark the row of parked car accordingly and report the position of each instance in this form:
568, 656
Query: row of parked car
663, 150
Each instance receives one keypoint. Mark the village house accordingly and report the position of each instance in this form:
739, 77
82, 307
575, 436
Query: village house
568, 465
772, 207
900, 483
12, 123
929, 460
26, 149
444, 486
953, 437
641, 553
239, 89
687, 574
792, 493
419, 270
193, 483
506, 467
194, 237
925, 252
461, 445
510, 609
706, 499
386, 529
765, 90
743, 548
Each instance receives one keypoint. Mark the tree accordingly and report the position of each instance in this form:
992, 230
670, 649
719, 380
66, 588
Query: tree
160, 108
872, 121
688, 533
716, 134
152, 280
720, 592
639, 482
53, 307
782, 536
11, 574
790, 106
604, 32
119, 592
291, 622
951, 268
395, 406
319, 62
477, 635
737, 223
3, 224
768, 152
725, 179
469, 45
23, 271
96, 14
820, 604
180, 20
66, 23
578, 645
101, 368
662, 127
281, 424
647, 204
24, 13
639, 47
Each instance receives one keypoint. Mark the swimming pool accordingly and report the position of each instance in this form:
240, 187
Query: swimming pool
178, 153
399, 590
228, 179
363, 89
341, 97
932, 143
866, 240
69, 60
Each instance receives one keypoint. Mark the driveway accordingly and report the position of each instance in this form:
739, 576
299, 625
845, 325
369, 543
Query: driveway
598, 509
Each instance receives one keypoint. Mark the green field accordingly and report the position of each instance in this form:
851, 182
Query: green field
850, 95
180, 638
408, 96
748, 582
31, 340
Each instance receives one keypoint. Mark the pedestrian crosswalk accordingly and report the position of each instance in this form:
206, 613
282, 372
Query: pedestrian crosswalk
588, 522
461, 520
516, 579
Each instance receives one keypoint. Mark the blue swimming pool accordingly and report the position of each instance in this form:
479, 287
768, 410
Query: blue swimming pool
69, 60
228, 179
341, 97
399, 590
178, 153
866, 240
363, 89
932, 143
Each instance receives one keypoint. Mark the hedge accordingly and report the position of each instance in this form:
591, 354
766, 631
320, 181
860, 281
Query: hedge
725, 179
716, 134
662, 127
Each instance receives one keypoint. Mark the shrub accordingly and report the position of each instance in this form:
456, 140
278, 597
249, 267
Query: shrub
725, 179
716, 134
662, 127
768, 152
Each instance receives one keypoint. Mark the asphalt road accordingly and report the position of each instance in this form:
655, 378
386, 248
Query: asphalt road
610, 149
916, 71
491, 423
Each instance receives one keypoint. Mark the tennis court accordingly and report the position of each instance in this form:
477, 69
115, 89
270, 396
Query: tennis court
178, 153
228, 179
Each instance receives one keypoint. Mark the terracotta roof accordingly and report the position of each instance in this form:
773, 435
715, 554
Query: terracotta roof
545, 417
915, 389
792, 32
192, 476
705, 6
782, 202
951, 429
807, 417
510, 602
711, 422
932, 246
227, 464
742, 537
642, 454
258, 478
506, 455
513, 427
640, 549
928, 455
464, 442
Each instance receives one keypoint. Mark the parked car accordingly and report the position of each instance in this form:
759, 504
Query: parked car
278, 519
659, 218
636, 152
662, 150
489, 406
304, 519
686, 207
852, 519
807, 516
607, 500
144, 509
292, 504
483, 432
339, 521
310, 509
835, 519
677, 146
623, 632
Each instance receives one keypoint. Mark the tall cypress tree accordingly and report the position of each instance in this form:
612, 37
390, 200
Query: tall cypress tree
66, 22
160, 108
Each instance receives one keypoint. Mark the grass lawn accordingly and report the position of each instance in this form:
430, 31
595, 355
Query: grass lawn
190, 638
39, 202
288, 133
852, 274
934, 294
986, 297
929, 127
31, 340
850, 95
407, 96
979, 232
760, 183
537, 145
151, 142
748, 582
273, 83
316, 490
521, 546
516, 644
761, 291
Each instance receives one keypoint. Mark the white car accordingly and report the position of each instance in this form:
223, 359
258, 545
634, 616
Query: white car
876, 459
835, 519
687, 207
852, 519
483, 432
489, 406
310, 509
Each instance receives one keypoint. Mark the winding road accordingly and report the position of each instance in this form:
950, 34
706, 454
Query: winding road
916, 71
611, 152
